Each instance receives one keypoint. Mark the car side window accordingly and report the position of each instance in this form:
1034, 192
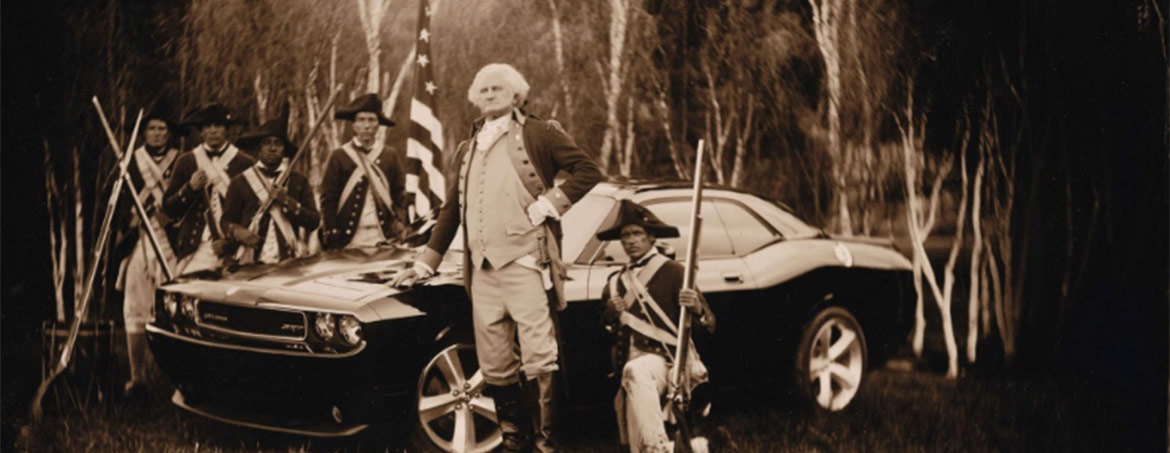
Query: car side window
713, 243
746, 230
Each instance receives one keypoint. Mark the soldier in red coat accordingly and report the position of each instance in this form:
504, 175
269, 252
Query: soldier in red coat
361, 191
197, 190
280, 233
509, 209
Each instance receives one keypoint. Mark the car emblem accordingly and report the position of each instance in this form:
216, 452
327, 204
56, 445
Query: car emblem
215, 317
843, 254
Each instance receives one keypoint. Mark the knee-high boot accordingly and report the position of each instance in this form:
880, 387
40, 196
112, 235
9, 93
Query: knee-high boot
540, 394
136, 355
514, 424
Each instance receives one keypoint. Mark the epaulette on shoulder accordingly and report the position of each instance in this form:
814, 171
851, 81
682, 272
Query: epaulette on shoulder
554, 124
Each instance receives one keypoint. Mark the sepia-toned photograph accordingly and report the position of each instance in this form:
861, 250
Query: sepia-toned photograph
655, 226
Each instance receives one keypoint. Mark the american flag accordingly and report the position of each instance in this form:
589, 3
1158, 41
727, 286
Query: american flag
424, 143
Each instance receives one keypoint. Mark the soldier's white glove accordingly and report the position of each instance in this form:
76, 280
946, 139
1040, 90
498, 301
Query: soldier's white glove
540, 210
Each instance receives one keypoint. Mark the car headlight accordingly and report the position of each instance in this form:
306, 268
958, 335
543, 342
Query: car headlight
351, 329
323, 325
171, 303
187, 307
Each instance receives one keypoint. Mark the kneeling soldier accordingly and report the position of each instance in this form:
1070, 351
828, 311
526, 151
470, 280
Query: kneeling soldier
276, 237
643, 301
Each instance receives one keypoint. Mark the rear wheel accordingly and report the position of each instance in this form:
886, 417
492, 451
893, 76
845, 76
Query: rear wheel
452, 413
831, 360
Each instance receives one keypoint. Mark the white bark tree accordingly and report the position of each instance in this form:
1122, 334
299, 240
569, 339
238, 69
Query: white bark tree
975, 300
564, 110
826, 25
613, 79
80, 266
58, 239
371, 13
912, 153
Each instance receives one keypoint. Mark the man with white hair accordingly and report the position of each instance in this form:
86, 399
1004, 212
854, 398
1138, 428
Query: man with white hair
509, 209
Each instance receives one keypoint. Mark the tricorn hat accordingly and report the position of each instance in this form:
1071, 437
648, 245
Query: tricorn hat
631, 213
161, 110
276, 127
364, 103
214, 113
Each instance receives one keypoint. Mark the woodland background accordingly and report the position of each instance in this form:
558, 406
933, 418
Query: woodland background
1019, 145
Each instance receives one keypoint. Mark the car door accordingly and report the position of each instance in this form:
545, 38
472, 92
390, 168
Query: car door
745, 337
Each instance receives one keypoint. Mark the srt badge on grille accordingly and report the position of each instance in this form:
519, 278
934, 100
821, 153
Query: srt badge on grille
214, 317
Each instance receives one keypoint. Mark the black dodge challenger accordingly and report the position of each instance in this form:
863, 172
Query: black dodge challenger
321, 346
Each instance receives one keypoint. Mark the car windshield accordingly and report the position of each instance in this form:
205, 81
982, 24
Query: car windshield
581, 221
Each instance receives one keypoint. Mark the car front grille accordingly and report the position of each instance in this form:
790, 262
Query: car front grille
253, 322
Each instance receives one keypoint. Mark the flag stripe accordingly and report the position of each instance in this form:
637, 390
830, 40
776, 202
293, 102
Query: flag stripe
424, 144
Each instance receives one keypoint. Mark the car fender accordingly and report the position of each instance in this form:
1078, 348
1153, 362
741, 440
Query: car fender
785, 260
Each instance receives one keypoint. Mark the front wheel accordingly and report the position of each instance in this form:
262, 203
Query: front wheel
831, 360
452, 413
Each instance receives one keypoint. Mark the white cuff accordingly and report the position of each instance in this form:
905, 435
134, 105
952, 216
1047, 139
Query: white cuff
423, 270
549, 209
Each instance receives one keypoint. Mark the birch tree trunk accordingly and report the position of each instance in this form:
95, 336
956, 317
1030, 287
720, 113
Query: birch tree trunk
741, 141
372, 12
974, 301
58, 240
722, 126
261, 97
79, 235
627, 153
912, 139
559, 53
826, 23
396, 88
619, 19
676, 160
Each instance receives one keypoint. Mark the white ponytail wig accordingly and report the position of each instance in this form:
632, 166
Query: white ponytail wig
498, 72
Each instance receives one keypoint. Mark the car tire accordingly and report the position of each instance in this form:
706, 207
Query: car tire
830, 360
451, 413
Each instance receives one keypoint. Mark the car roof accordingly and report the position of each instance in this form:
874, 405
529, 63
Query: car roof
619, 188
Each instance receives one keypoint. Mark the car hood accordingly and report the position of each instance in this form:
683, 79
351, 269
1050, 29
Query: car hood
343, 280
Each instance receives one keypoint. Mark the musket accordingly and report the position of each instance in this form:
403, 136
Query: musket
79, 314
680, 391
283, 178
162, 248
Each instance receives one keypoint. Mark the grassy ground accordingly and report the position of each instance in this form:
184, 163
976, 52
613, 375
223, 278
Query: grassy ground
897, 411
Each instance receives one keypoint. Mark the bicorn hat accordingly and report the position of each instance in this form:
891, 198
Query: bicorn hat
364, 103
276, 127
214, 113
631, 213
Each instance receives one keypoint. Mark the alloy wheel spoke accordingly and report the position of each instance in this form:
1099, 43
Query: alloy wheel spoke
451, 368
432, 407
824, 338
848, 337
825, 395
815, 366
476, 382
847, 377
485, 407
464, 433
